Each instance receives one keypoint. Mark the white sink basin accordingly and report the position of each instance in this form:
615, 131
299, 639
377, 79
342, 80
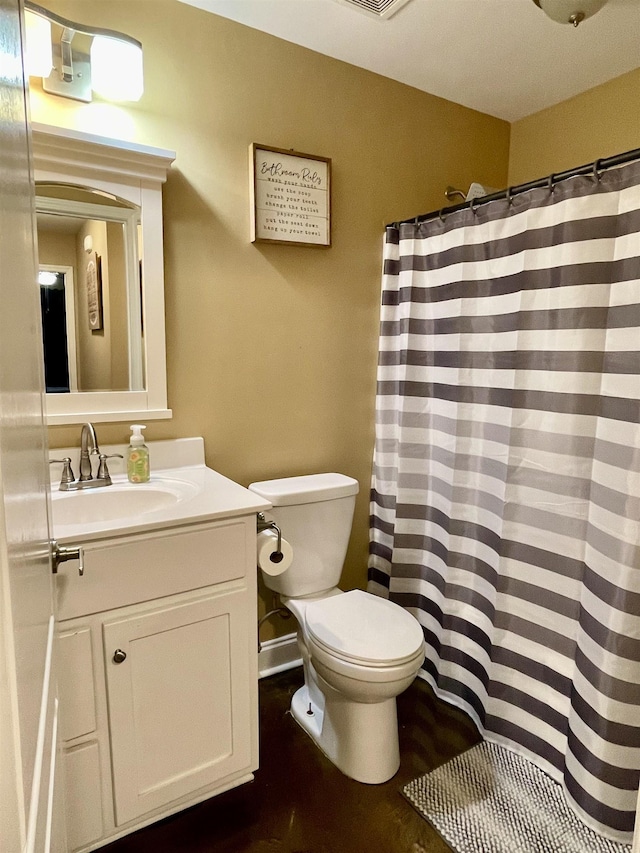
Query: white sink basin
176, 495
118, 502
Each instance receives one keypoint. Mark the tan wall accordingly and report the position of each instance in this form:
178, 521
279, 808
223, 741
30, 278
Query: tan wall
599, 123
55, 248
94, 346
118, 315
272, 349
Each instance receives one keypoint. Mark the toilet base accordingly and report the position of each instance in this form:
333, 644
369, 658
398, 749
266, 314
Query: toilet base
360, 739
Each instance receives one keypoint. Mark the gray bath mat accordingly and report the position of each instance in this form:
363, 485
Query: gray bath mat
492, 800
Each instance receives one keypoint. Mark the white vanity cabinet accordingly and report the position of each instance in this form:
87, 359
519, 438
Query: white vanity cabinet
158, 675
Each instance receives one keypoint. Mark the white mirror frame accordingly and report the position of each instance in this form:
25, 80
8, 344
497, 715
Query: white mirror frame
134, 173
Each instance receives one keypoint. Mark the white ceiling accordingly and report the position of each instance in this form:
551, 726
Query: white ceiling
502, 57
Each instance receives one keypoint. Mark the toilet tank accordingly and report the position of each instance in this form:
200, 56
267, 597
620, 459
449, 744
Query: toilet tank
314, 513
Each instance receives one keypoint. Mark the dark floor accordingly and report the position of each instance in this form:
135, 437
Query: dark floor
300, 803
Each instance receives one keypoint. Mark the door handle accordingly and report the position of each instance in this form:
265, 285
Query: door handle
61, 555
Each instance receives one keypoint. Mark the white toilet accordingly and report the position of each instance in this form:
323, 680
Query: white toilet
359, 651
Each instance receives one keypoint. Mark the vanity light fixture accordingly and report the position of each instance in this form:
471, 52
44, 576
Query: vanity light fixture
570, 11
74, 59
39, 54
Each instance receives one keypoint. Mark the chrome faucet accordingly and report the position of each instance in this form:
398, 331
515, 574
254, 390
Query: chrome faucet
88, 447
87, 435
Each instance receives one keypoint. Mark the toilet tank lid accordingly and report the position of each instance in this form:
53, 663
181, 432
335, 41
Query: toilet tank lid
307, 489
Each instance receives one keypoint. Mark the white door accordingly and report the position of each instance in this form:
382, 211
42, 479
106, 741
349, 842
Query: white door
28, 708
179, 715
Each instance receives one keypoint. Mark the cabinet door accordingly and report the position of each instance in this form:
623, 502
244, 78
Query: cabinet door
179, 703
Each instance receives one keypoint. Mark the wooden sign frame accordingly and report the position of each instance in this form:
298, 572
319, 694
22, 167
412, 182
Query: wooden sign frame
290, 197
94, 292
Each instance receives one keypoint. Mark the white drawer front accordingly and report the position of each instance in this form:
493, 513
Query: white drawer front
83, 802
76, 684
141, 568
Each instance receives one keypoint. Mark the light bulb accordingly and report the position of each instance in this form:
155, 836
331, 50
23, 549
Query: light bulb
116, 69
570, 11
47, 279
39, 56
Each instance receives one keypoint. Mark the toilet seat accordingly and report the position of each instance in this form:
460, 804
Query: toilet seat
364, 629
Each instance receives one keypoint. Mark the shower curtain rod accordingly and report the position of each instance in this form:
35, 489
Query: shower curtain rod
596, 167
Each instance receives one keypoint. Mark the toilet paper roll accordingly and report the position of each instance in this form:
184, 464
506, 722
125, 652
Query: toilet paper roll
269, 559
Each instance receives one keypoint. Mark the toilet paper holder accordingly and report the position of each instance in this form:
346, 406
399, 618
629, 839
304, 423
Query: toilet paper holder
263, 524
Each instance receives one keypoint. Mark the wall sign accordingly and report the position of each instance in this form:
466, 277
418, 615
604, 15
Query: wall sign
94, 291
290, 197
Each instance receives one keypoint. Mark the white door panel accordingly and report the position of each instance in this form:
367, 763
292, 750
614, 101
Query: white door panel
27, 683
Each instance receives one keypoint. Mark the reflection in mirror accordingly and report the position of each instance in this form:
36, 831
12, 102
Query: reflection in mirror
91, 309
57, 303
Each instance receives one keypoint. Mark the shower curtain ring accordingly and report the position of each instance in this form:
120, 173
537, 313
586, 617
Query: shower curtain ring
550, 183
509, 196
440, 216
472, 205
596, 173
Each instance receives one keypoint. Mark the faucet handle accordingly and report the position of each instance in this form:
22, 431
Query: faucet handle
103, 471
67, 473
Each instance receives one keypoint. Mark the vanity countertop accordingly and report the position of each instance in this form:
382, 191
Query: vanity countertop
185, 492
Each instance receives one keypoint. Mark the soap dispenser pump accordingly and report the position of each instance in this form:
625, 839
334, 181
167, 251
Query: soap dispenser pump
137, 456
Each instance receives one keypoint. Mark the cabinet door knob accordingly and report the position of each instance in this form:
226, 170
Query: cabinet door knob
119, 656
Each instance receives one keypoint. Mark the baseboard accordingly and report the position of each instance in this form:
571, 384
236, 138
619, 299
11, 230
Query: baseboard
278, 654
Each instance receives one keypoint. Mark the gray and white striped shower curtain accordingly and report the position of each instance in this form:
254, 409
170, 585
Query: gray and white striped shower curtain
505, 509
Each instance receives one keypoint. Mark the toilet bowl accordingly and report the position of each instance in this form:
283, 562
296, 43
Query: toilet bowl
359, 651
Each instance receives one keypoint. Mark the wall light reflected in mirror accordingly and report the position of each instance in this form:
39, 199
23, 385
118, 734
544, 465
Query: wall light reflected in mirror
570, 11
47, 279
75, 59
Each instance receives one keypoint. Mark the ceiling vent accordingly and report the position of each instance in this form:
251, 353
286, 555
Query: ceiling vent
375, 8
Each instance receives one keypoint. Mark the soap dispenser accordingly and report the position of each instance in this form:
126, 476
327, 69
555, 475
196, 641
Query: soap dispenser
137, 456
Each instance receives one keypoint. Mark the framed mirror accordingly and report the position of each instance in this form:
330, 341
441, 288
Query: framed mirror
99, 223
90, 291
